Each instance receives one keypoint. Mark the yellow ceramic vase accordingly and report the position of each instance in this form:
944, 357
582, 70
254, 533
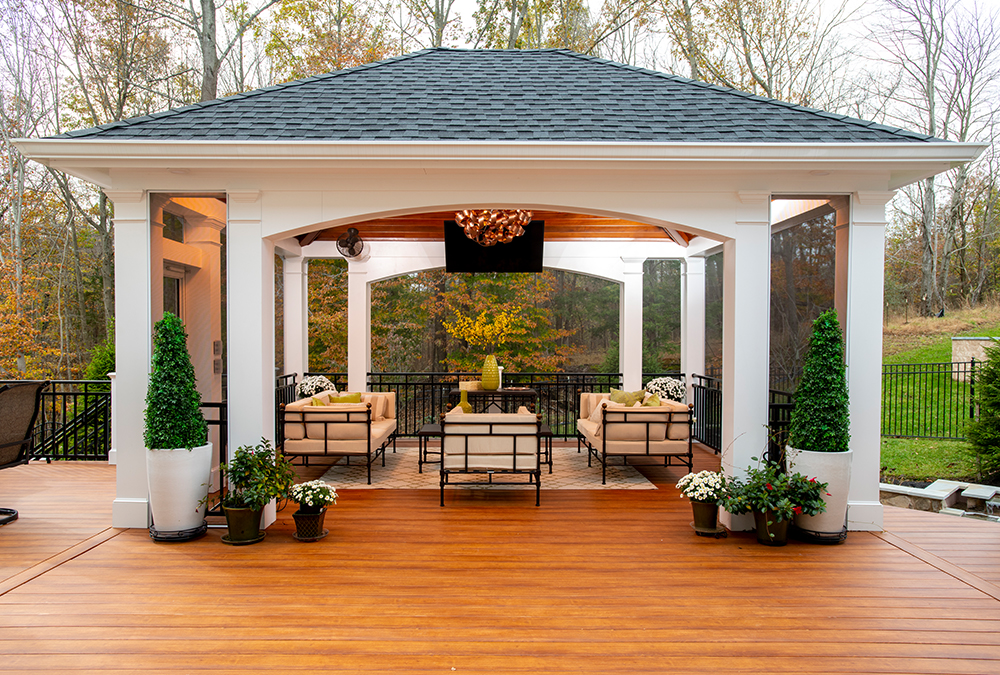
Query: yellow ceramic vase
491, 374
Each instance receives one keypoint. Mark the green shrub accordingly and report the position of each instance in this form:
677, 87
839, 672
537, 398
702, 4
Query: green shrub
984, 431
173, 413
820, 421
256, 475
102, 360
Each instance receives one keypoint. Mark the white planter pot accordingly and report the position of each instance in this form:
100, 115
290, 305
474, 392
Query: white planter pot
178, 480
828, 467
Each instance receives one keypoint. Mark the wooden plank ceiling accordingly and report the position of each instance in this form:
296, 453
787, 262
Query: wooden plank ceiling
558, 226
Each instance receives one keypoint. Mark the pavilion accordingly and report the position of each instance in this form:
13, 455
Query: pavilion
631, 164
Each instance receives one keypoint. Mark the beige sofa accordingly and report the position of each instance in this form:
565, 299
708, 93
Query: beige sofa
608, 429
341, 429
490, 444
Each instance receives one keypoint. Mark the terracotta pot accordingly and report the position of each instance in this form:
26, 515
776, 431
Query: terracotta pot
491, 374
770, 531
309, 526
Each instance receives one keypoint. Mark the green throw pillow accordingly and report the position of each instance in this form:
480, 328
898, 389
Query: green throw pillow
316, 401
652, 401
628, 398
346, 398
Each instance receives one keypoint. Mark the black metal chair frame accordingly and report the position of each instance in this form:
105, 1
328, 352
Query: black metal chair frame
533, 472
603, 454
353, 417
26, 443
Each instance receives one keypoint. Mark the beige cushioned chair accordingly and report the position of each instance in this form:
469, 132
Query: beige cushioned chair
491, 444
609, 429
339, 429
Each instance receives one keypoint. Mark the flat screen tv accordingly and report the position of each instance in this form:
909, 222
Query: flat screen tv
524, 254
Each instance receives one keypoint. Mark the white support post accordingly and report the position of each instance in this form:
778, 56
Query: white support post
842, 236
746, 302
359, 326
133, 347
693, 321
296, 307
630, 325
863, 337
251, 327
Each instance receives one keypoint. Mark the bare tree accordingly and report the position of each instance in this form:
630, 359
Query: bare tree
434, 17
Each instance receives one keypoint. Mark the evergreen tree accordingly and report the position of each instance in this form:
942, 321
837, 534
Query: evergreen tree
984, 432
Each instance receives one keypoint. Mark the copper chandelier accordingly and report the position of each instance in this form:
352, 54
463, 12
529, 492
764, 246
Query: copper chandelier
489, 227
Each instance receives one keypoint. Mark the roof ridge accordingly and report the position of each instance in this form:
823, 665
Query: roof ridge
867, 124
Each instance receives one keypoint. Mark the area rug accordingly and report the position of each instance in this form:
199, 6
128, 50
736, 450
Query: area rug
569, 472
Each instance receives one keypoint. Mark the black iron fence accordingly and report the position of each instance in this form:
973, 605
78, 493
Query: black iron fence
708, 411
74, 420
928, 400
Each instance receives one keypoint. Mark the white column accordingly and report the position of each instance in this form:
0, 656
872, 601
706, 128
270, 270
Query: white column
630, 325
133, 349
693, 320
842, 236
251, 327
359, 325
746, 302
296, 307
863, 333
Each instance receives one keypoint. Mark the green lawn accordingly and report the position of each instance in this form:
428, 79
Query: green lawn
920, 402
927, 460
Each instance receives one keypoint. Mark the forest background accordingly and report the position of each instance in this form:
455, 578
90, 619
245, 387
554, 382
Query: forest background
927, 65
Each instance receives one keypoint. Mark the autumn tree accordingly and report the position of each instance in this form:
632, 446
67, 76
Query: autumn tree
310, 37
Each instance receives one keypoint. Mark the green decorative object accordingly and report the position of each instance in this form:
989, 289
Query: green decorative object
464, 402
491, 374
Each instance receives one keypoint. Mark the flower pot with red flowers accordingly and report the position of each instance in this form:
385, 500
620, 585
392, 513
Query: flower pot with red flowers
774, 497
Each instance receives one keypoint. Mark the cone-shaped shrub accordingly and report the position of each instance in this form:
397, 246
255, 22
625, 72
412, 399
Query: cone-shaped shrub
984, 431
820, 421
173, 415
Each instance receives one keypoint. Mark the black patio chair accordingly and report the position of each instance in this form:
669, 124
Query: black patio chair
19, 405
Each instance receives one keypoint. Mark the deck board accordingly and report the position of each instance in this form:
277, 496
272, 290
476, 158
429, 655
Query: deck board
602, 581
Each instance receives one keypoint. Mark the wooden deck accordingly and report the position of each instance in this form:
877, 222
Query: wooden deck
589, 582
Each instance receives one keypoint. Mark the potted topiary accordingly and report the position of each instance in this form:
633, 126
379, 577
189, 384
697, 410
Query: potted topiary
178, 455
255, 475
819, 430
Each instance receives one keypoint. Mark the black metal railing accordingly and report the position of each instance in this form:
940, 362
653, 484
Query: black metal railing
779, 416
928, 400
422, 397
74, 420
707, 401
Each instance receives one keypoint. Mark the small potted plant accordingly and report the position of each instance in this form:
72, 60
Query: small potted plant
178, 454
255, 475
706, 490
313, 498
819, 430
774, 497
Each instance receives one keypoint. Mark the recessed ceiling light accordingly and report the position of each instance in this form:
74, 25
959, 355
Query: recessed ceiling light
179, 172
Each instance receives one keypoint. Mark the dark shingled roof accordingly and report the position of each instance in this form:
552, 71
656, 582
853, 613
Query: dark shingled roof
499, 95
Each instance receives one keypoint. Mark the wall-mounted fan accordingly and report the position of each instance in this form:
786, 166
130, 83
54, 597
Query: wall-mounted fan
352, 246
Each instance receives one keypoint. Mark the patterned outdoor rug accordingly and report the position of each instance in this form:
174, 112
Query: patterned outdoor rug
569, 472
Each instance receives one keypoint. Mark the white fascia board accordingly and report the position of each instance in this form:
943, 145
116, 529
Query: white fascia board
96, 158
